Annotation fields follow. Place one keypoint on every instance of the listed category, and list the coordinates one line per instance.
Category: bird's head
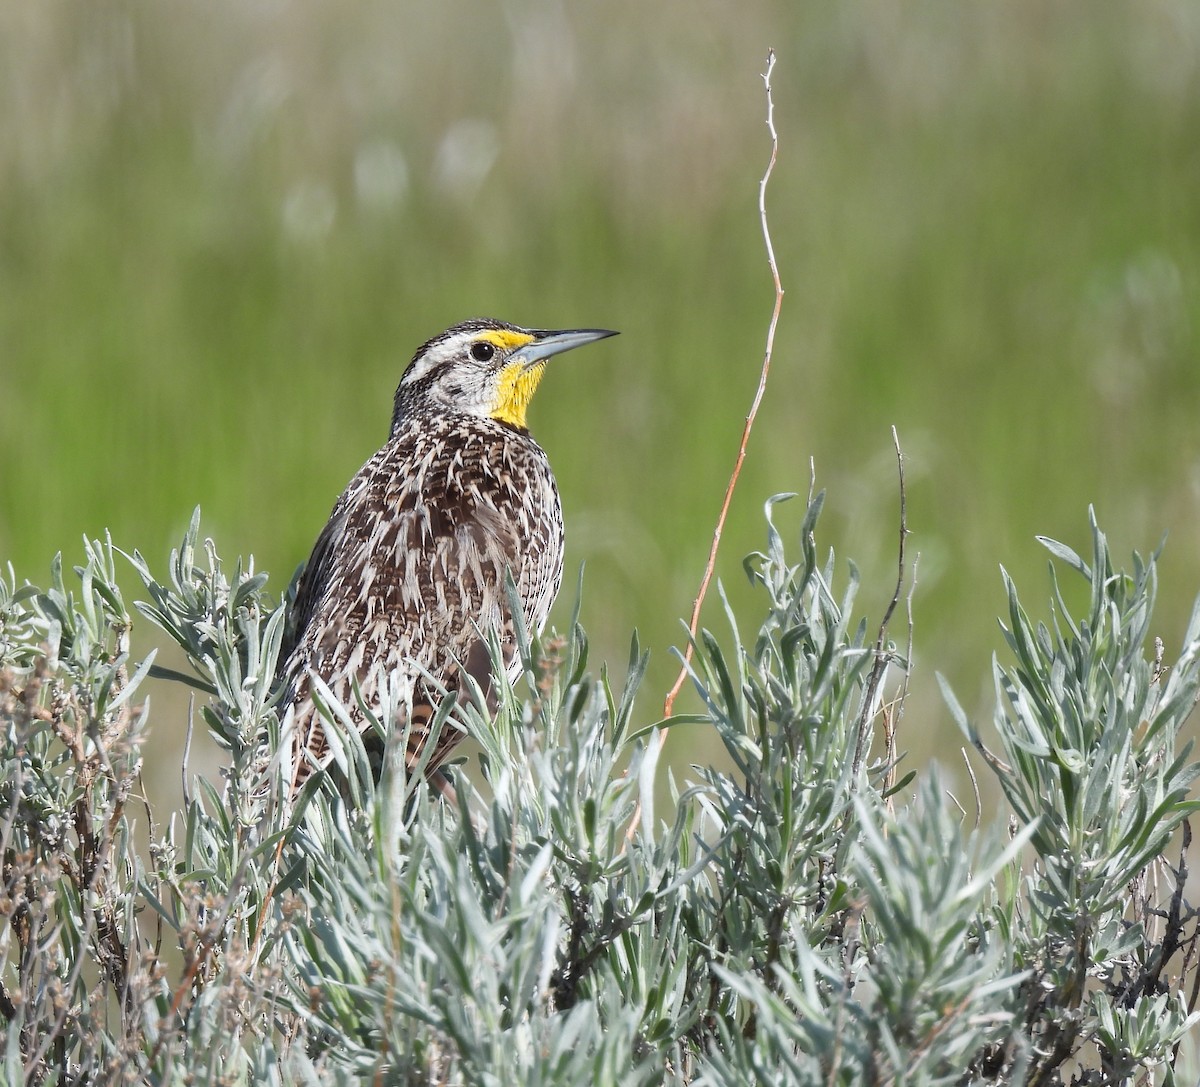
(482, 367)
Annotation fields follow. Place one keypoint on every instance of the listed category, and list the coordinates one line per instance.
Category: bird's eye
(482, 351)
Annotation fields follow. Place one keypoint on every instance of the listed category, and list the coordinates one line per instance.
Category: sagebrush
(576, 914)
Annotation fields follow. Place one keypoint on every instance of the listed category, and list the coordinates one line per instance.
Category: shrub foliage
(573, 914)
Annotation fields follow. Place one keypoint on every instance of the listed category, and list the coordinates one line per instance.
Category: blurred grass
(225, 227)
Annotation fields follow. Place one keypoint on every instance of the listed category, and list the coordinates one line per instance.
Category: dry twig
(882, 656)
(710, 566)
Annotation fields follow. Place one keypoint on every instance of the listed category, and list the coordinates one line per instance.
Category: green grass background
(224, 227)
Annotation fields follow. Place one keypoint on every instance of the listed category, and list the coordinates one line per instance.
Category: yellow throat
(515, 386)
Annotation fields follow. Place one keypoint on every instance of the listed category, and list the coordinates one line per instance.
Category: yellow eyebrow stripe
(504, 339)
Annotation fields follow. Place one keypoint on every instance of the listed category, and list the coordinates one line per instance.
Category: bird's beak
(546, 344)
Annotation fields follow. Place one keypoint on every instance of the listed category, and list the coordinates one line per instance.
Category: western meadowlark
(408, 577)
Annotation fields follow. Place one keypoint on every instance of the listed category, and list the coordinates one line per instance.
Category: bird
(407, 580)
